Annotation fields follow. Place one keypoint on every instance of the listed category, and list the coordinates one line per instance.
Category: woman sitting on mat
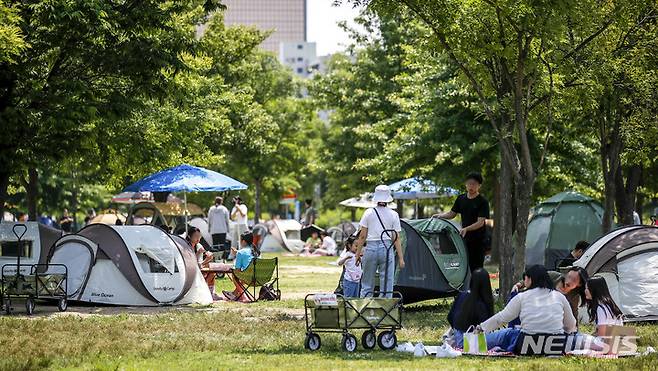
(600, 306)
(243, 257)
(541, 309)
(471, 307)
(203, 257)
(602, 311)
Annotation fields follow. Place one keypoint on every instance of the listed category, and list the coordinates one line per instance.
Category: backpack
(268, 292)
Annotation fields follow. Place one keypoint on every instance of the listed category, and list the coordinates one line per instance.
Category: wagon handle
(15, 229)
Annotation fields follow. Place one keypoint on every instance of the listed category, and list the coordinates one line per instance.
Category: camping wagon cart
(334, 313)
(39, 281)
(338, 314)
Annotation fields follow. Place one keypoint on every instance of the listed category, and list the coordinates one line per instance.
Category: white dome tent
(628, 260)
(130, 265)
(37, 242)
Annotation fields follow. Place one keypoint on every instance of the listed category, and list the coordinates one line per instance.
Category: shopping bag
(475, 343)
(620, 340)
(327, 300)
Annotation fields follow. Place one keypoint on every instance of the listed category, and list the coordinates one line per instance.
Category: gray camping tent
(628, 260)
(37, 243)
(557, 224)
(436, 260)
(130, 265)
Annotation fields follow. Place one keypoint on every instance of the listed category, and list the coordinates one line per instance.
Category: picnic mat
(490, 353)
(432, 350)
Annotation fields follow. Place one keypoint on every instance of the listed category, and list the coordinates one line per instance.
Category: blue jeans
(373, 261)
(350, 289)
(505, 339)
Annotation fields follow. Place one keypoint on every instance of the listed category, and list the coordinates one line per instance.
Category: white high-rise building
(299, 56)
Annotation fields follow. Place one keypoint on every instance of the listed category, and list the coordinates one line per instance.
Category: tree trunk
(400, 208)
(504, 229)
(4, 184)
(495, 236)
(610, 149)
(32, 193)
(523, 198)
(258, 186)
(639, 206)
(626, 192)
(74, 204)
(609, 187)
(608, 205)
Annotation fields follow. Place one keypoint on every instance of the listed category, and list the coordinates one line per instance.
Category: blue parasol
(417, 188)
(186, 178)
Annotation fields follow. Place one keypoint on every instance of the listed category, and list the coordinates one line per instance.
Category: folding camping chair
(260, 273)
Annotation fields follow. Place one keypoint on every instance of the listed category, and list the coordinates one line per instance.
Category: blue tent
(186, 178)
(417, 188)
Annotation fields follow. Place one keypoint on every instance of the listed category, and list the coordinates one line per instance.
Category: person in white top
(541, 309)
(602, 311)
(380, 227)
(353, 272)
(601, 308)
(218, 222)
(239, 216)
(328, 247)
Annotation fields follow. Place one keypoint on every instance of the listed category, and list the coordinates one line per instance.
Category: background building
(287, 18)
(299, 56)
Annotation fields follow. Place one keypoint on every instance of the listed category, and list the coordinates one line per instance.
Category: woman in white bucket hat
(379, 226)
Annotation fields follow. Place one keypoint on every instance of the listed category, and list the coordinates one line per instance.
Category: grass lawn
(262, 335)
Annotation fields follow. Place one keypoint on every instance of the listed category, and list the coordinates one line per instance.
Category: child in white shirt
(352, 274)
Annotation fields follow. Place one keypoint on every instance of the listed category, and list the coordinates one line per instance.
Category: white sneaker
(446, 351)
(405, 347)
(419, 350)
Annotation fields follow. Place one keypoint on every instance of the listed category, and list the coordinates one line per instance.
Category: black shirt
(471, 210)
(567, 262)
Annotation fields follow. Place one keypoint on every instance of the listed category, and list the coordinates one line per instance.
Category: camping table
(215, 268)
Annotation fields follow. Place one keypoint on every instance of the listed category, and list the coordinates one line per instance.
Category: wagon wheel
(62, 304)
(368, 339)
(387, 340)
(29, 306)
(349, 342)
(312, 341)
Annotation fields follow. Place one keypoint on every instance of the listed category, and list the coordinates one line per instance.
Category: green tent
(436, 260)
(557, 224)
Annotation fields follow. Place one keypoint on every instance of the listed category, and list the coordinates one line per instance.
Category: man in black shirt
(474, 210)
(575, 254)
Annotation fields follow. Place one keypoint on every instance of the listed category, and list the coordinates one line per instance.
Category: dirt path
(49, 311)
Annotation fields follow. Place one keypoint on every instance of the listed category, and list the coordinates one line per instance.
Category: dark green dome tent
(436, 260)
(557, 224)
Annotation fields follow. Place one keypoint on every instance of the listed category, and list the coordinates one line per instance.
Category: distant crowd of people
(65, 222)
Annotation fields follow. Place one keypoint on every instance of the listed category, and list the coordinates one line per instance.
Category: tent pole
(185, 200)
(416, 210)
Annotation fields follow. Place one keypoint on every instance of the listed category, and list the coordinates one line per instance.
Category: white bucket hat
(382, 194)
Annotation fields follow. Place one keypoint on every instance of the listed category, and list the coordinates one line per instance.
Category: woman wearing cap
(379, 226)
